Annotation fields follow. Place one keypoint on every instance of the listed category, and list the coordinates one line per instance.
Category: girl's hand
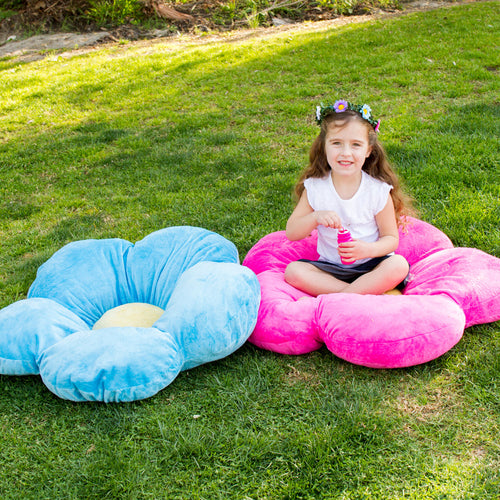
(304, 220)
(354, 250)
(327, 218)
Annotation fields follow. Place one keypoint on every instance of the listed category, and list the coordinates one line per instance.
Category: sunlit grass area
(130, 138)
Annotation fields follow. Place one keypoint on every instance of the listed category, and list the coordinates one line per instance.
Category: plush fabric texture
(449, 290)
(210, 305)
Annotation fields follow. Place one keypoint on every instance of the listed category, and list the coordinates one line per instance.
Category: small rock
(278, 21)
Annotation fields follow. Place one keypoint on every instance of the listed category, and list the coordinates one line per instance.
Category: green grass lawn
(130, 138)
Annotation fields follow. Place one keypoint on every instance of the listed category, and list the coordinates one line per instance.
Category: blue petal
(155, 263)
(212, 311)
(27, 328)
(88, 277)
(111, 364)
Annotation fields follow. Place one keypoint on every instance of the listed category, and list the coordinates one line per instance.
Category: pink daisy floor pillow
(449, 290)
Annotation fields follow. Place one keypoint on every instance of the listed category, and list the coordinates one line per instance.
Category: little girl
(348, 184)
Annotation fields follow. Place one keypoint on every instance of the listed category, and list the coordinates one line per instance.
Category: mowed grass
(130, 138)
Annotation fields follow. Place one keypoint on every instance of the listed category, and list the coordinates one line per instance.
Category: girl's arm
(388, 229)
(304, 219)
(388, 240)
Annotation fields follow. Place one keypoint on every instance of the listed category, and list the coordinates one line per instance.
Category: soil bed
(13, 43)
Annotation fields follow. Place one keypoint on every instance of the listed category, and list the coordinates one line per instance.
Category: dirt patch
(39, 46)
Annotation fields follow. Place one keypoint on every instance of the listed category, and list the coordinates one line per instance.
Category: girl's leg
(310, 279)
(386, 276)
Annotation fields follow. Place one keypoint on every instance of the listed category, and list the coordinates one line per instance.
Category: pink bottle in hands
(343, 236)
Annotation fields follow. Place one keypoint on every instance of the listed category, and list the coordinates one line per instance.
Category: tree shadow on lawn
(340, 422)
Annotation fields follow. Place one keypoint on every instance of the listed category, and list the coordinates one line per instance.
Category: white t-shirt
(357, 214)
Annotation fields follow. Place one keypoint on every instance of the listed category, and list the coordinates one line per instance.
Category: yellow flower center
(135, 314)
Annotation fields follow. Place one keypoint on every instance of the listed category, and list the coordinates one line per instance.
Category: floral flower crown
(340, 106)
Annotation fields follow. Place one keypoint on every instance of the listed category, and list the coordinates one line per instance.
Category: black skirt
(350, 274)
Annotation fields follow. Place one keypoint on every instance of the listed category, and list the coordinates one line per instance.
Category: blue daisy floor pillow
(107, 320)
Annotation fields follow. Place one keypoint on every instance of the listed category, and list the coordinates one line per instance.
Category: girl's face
(346, 148)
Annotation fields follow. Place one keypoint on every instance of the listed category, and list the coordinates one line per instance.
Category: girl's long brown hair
(376, 165)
